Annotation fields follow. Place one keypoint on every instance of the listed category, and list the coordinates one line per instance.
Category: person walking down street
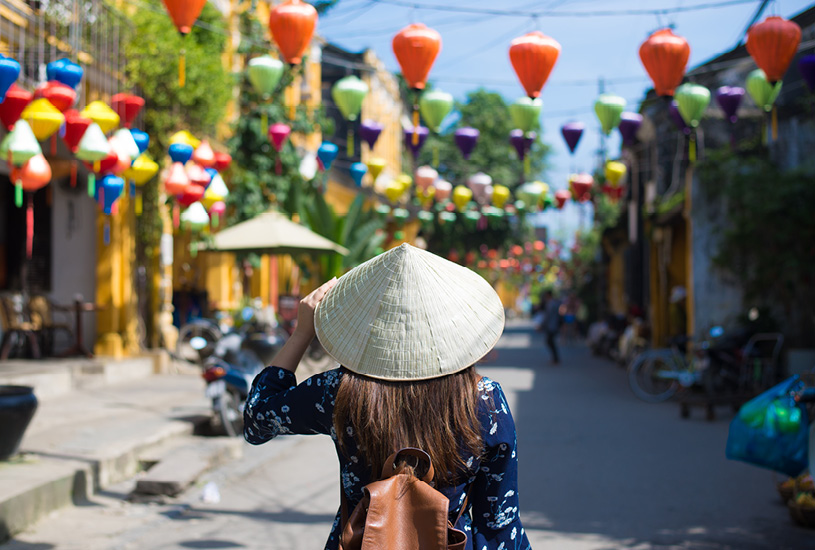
(407, 328)
(551, 324)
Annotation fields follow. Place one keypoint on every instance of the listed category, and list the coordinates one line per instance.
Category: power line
(573, 13)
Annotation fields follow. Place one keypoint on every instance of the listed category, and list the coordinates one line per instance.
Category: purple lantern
(680, 123)
(522, 142)
(806, 66)
(423, 133)
(466, 138)
(729, 99)
(572, 131)
(369, 131)
(629, 126)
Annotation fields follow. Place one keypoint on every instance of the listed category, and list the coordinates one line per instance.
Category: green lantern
(525, 113)
(425, 217)
(530, 193)
(435, 105)
(609, 109)
(692, 100)
(763, 93)
(264, 73)
(348, 94)
(18, 147)
(382, 210)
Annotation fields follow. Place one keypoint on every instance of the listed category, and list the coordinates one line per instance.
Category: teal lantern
(525, 113)
(435, 105)
(348, 94)
(609, 109)
(264, 74)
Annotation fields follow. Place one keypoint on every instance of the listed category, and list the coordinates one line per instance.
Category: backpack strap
(389, 468)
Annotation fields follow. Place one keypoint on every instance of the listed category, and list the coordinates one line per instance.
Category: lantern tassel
(527, 165)
(53, 145)
(182, 68)
(107, 231)
(775, 123)
(18, 194)
(29, 226)
(349, 140)
(692, 149)
(92, 184)
(73, 173)
(137, 204)
(176, 217)
(264, 123)
(416, 121)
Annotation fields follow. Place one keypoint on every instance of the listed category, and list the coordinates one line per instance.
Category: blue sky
(475, 52)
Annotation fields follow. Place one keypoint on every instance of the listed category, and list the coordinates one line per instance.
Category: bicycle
(656, 375)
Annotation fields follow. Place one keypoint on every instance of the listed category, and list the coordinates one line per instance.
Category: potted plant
(17, 407)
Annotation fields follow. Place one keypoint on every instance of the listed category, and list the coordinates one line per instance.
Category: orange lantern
(292, 26)
(533, 57)
(665, 56)
(33, 175)
(772, 45)
(183, 13)
(416, 47)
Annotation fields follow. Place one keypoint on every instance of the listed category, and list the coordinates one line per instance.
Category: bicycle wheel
(652, 377)
(197, 340)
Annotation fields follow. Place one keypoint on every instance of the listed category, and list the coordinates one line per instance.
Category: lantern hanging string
(350, 140)
(29, 226)
(182, 68)
(137, 203)
(692, 148)
(774, 123)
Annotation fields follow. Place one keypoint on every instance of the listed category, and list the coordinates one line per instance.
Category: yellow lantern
(142, 170)
(462, 196)
(500, 195)
(375, 167)
(43, 117)
(615, 171)
(101, 114)
(217, 191)
(426, 196)
(405, 181)
(184, 136)
(394, 190)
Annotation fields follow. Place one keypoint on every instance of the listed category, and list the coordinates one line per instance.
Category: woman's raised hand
(305, 311)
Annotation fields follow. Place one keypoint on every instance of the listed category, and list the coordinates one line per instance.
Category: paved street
(600, 470)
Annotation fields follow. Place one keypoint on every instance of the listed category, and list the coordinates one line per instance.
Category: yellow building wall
(669, 252)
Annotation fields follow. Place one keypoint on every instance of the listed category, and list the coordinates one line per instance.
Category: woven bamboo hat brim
(408, 314)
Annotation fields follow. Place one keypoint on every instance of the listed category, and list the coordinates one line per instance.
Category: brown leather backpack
(402, 512)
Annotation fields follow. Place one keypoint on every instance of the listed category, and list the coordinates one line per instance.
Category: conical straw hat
(409, 315)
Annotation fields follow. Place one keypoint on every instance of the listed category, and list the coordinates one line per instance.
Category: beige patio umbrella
(271, 233)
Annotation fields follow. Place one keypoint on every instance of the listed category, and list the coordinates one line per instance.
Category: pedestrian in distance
(407, 328)
(551, 324)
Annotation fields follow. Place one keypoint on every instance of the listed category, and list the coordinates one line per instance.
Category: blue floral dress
(277, 406)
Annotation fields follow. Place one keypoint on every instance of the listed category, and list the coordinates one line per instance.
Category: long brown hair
(438, 416)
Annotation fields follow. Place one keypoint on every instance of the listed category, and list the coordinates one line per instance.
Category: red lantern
(13, 105)
(582, 184)
(176, 181)
(416, 47)
(222, 161)
(613, 192)
(106, 165)
(58, 94)
(75, 126)
(665, 56)
(127, 106)
(204, 155)
(184, 13)
(34, 174)
(193, 193)
(561, 197)
(772, 45)
(292, 26)
(533, 57)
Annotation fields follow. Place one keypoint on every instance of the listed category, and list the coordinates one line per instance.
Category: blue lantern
(9, 73)
(141, 138)
(67, 72)
(51, 68)
(180, 152)
(110, 189)
(211, 172)
(327, 153)
(358, 171)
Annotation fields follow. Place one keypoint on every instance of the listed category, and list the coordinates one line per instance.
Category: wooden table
(78, 348)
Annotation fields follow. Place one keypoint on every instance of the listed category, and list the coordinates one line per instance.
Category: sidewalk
(96, 423)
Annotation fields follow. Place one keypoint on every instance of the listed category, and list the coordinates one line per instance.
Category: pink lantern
(177, 180)
(478, 183)
(197, 175)
(216, 211)
(582, 184)
(561, 197)
(278, 134)
(443, 190)
(425, 176)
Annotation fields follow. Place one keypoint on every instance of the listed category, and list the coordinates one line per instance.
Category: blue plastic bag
(772, 431)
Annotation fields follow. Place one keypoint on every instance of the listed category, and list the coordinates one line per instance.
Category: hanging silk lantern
(216, 191)
(192, 194)
(264, 73)
(525, 113)
(204, 155)
(195, 218)
(416, 47)
(33, 175)
(369, 131)
(478, 184)
(665, 57)
(425, 217)
(93, 148)
(9, 73)
(729, 98)
(466, 140)
(394, 191)
(629, 126)
(216, 212)
(128, 145)
(414, 140)
(522, 142)
(19, 145)
(358, 171)
(375, 166)
(180, 152)
(140, 172)
(326, 154)
(382, 210)
(127, 106)
(582, 184)
(278, 134)
(75, 126)
(426, 196)
(533, 57)
(101, 114)
(443, 189)
(141, 138)
(183, 13)
(572, 132)
(692, 100)
(772, 44)
(222, 161)
(122, 159)
(292, 26)
(609, 109)
(614, 172)
(65, 71)
(184, 136)
(197, 175)
(531, 193)
(13, 105)
(806, 66)
(462, 197)
(58, 94)
(500, 195)
(44, 118)
(110, 189)
(561, 197)
(176, 181)
(425, 177)
(761, 90)
(435, 105)
(348, 94)
(106, 165)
